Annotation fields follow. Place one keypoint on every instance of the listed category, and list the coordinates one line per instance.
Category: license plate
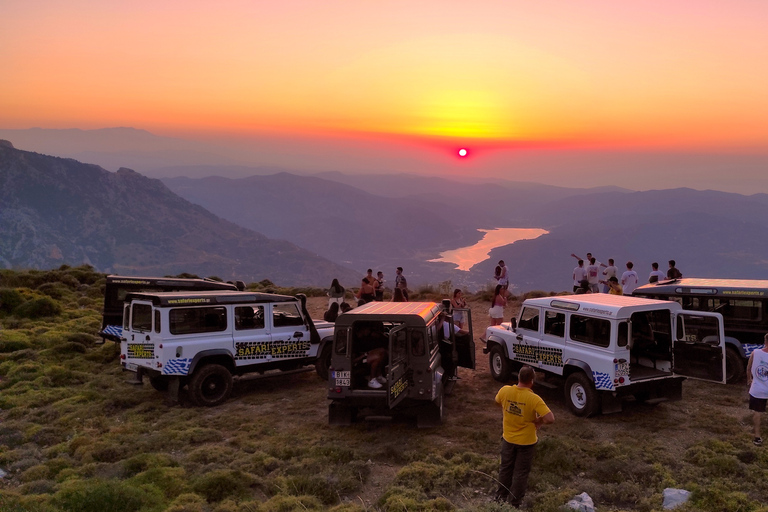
(342, 382)
(342, 375)
(131, 367)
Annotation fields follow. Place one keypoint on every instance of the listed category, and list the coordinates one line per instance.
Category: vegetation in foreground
(74, 436)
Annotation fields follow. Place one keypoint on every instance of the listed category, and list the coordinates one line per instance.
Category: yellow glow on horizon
(466, 114)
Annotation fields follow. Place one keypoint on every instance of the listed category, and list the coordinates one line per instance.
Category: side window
(418, 346)
(595, 331)
(529, 319)
(197, 320)
(157, 320)
(746, 310)
(554, 323)
(622, 335)
(141, 320)
(249, 317)
(286, 315)
(432, 337)
(340, 341)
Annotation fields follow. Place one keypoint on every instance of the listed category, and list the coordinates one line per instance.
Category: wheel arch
(735, 344)
(218, 356)
(576, 365)
(497, 340)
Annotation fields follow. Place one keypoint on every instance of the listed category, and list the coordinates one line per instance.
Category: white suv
(606, 347)
(202, 339)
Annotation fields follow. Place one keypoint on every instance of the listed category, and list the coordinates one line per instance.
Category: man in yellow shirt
(524, 413)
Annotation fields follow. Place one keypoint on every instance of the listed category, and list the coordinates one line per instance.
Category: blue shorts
(757, 404)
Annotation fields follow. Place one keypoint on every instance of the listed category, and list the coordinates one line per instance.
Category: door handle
(519, 337)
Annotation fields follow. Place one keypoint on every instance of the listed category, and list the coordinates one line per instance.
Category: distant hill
(336, 220)
(55, 211)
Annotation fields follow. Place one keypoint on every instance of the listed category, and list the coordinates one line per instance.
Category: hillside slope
(57, 211)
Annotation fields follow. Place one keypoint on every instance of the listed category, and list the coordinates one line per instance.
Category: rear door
(464, 342)
(140, 338)
(397, 373)
(698, 350)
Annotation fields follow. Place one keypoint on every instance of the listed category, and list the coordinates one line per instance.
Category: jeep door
(698, 350)
(251, 335)
(397, 372)
(140, 338)
(550, 353)
(464, 343)
(526, 342)
(290, 338)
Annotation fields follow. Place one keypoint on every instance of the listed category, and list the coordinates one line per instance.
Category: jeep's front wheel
(501, 370)
(210, 385)
(323, 362)
(581, 395)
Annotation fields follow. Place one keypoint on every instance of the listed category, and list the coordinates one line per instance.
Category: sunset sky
(415, 79)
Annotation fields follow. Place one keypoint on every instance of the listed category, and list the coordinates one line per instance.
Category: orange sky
(592, 74)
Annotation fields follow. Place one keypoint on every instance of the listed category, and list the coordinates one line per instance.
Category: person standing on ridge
(379, 286)
(656, 274)
(401, 282)
(503, 277)
(757, 382)
(579, 275)
(593, 276)
(524, 412)
(629, 279)
(673, 272)
(609, 272)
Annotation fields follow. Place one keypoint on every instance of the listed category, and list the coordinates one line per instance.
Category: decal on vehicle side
(532, 355)
(177, 366)
(271, 349)
(141, 351)
(602, 380)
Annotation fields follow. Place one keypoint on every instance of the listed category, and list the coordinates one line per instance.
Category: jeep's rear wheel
(581, 395)
(501, 370)
(323, 362)
(210, 385)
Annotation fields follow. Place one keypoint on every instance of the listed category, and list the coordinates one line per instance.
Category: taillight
(159, 364)
(122, 356)
(621, 380)
(338, 390)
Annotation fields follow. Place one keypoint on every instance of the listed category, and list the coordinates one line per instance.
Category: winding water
(466, 257)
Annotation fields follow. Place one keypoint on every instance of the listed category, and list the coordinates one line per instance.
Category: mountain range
(307, 229)
(58, 211)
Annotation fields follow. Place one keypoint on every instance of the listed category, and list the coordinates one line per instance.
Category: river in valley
(466, 257)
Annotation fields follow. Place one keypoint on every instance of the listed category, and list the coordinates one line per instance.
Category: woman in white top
(497, 305)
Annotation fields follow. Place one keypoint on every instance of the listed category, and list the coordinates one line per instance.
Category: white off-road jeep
(202, 339)
(607, 347)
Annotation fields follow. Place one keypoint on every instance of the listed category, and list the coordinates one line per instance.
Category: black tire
(581, 395)
(159, 382)
(734, 366)
(323, 362)
(210, 385)
(501, 369)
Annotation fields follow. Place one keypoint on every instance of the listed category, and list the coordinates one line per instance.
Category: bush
(38, 308)
(220, 484)
(102, 495)
(10, 299)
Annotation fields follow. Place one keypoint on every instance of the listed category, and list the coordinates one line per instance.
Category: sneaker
(758, 441)
(381, 379)
(373, 383)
